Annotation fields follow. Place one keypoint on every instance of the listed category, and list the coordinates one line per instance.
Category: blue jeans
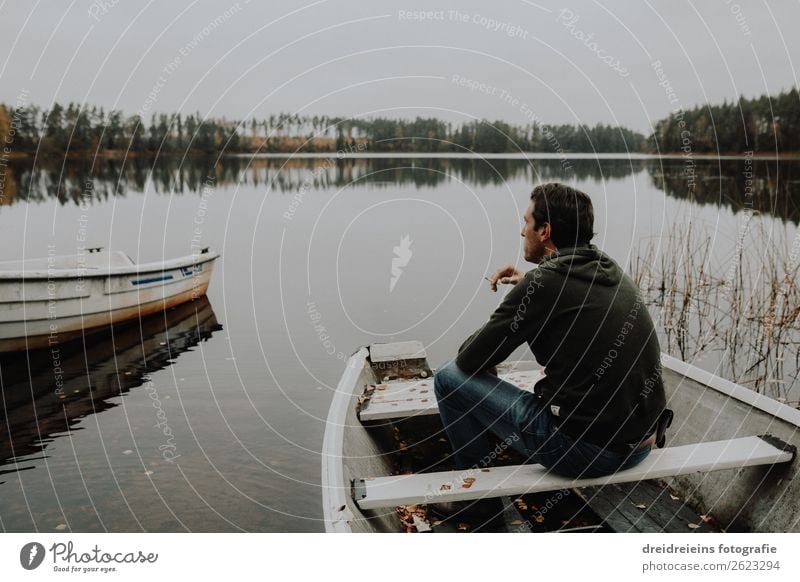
(473, 405)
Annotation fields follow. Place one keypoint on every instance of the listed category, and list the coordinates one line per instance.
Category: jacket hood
(585, 262)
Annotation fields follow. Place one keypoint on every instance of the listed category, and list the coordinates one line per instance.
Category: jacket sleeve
(516, 320)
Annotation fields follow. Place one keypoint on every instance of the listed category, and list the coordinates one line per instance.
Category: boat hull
(709, 408)
(349, 452)
(43, 308)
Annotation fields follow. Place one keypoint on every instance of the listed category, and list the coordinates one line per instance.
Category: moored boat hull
(38, 308)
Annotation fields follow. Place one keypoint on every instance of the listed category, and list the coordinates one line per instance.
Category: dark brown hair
(568, 210)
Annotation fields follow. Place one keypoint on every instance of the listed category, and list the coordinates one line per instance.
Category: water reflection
(775, 186)
(49, 392)
(759, 185)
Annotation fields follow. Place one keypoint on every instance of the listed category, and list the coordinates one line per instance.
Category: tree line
(763, 124)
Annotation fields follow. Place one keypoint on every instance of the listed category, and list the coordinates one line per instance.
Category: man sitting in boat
(596, 409)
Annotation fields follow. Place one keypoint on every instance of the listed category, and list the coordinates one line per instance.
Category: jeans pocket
(540, 443)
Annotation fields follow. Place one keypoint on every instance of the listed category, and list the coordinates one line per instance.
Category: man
(596, 409)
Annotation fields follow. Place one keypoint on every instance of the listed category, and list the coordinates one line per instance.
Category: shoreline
(342, 155)
(522, 156)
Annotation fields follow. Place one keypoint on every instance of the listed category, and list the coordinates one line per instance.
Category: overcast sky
(583, 62)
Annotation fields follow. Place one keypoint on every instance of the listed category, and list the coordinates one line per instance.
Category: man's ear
(546, 231)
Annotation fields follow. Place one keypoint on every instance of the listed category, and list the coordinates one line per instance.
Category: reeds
(734, 311)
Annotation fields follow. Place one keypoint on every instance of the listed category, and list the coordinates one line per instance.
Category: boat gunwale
(736, 391)
(95, 272)
(762, 402)
(334, 493)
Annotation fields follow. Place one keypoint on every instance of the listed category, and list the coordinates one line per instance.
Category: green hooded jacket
(586, 323)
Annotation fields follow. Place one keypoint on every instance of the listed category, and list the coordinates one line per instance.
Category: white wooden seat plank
(378, 492)
(399, 399)
(399, 408)
(517, 366)
(402, 390)
(404, 398)
(393, 351)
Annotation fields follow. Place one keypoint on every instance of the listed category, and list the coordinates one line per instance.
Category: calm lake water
(244, 379)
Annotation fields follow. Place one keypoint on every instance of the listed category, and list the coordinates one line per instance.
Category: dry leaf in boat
(639, 505)
(706, 518)
(420, 524)
(674, 497)
(516, 522)
(693, 526)
(463, 526)
(445, 487)
(485, 470)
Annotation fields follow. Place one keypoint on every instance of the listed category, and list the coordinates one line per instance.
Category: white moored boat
(57, 298)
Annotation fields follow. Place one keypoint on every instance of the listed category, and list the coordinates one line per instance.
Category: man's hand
(507, 274)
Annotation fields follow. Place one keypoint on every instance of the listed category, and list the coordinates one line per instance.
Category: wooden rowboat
(60, 298)
(729, 462)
